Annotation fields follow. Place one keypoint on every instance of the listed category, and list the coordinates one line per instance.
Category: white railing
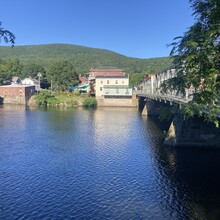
(152, 88)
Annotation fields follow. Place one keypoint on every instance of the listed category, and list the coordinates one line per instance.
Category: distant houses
(16, 80)
(109, 85)
(33, 82)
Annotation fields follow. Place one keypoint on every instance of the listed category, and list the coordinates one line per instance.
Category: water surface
(102, 164)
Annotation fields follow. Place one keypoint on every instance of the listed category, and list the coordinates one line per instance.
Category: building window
(116, 81)
(123, 82)
(107, 81)
(101, 82)
(100, 88)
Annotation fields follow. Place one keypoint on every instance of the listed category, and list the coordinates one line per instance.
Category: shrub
(53, 101)
(76, 92)
(89, 102)
(43, 97)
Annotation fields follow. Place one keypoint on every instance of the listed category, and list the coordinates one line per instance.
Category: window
(116, 81)
(100, 88)
(107, 81)
(123, 82)
(101, 81)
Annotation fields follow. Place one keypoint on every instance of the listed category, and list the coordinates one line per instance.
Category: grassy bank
(63, 99)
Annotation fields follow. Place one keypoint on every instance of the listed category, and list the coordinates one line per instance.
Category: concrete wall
(117, 102)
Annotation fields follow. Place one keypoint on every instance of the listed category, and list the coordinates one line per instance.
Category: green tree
(62, 75)
(10, 68)
(32, 70)
(136, 79)
(7, 36)
(196, 57)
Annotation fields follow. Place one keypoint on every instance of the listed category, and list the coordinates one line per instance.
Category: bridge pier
(145, 111)
(141, 103)
(192, 132)
(152, 107)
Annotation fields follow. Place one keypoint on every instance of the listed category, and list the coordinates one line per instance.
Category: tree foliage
(10, 68)
(7, 36)
(32, 70)
(62, 75)
(83, 58)
(196, 56)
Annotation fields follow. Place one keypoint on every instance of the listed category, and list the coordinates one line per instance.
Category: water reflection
(192, 181)
(102, 164)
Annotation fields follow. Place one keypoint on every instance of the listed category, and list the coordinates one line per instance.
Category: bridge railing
(151, 87)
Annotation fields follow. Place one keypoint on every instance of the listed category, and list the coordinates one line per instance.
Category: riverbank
(62, 99)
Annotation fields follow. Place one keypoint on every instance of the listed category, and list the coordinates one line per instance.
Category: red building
(105, 71)
(16, 94)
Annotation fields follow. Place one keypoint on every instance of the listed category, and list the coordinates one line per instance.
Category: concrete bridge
(182, 132)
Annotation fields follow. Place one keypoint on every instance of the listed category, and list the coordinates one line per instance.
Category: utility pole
(39, 75)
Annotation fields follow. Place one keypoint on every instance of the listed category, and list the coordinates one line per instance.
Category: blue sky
(135, 28)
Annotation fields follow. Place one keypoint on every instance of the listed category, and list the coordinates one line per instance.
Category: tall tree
(32, 70)
(196, 57)
(7, 36)
(10, 68)
(62, 75)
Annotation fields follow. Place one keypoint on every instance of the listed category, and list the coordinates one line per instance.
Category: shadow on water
(193, 178)
(189, 179)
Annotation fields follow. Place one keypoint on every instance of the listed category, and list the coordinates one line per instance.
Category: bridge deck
(170, 98)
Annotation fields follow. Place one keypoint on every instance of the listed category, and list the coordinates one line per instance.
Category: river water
(107, 163)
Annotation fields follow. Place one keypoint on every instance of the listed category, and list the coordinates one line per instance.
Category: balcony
(117, 90)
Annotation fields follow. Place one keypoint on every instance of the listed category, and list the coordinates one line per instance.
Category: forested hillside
(83, 58)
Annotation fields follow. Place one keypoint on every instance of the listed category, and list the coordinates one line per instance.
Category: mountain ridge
(82, 57)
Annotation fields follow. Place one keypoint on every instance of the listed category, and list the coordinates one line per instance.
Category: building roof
(83, 79)
(105, 68)
(16, 86)
(105, 71)
(149, 76)
(31, 79)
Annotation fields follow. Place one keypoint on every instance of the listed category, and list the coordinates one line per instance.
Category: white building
(112, 86)
(30, 81)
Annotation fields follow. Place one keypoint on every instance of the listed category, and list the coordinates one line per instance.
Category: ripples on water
(102, 164)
